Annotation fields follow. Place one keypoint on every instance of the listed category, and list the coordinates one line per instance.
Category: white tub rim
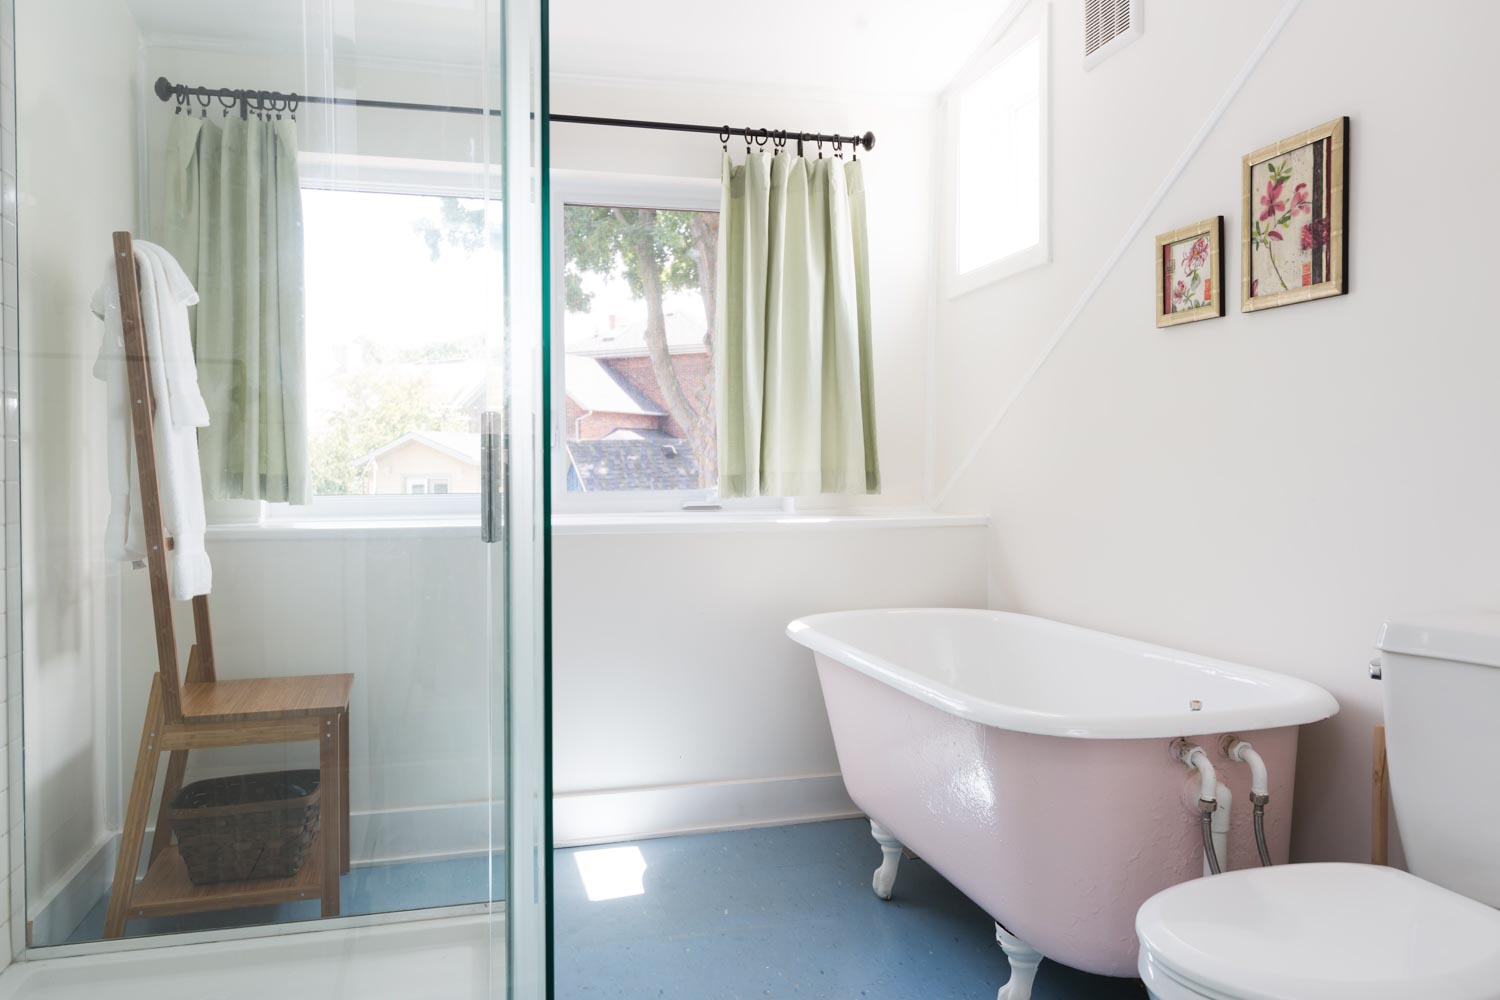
(1304, 702)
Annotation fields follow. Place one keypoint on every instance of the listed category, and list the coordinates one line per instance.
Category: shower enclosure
(354, 192)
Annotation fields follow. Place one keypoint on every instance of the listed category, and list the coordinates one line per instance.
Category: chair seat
(266, 698)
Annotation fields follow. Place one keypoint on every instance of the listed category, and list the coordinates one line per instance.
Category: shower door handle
(491, 454)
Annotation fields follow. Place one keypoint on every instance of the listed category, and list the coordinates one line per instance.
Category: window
(998, 150)
(422, 485)
(401, 292)
(634, 417)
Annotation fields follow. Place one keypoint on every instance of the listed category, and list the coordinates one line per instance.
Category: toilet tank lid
(1467, 642)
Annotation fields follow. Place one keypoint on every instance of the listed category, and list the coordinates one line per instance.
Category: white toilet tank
(1442, 720)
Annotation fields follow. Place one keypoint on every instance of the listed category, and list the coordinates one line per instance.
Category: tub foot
(1023, 962)
(890, 848)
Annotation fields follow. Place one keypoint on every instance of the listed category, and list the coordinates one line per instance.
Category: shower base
(439, 958)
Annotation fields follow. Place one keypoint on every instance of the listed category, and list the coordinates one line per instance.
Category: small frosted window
(999, 181)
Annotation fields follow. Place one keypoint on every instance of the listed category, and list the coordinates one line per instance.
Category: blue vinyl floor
(779, 912)
(782, 912)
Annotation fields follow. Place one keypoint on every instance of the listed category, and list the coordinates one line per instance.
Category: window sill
(683, 522)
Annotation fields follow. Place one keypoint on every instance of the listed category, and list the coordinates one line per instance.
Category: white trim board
(602, 817)
(367, 958)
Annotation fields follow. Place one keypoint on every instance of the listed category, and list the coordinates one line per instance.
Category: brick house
(620, 349)
(620, 433)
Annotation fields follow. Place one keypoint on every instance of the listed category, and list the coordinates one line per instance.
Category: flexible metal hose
(1208, 843)
(1260, 834)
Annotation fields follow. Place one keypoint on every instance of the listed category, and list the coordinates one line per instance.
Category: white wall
(76, 113)
(13, 854)
(1266, 487)
(671, 666)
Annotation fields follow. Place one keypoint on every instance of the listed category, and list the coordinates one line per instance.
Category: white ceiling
(894, 46)
(912, 46)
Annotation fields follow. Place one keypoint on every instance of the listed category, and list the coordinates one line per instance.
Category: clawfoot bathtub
(1029, 762)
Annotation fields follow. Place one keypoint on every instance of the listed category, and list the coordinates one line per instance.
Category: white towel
(166, 293)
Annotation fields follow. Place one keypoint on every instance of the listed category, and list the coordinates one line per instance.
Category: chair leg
(330, 772)
(176, 771)
(344, 785)
(136, 809)
(177, 760)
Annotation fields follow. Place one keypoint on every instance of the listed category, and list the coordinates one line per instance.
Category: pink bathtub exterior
(1059, 839)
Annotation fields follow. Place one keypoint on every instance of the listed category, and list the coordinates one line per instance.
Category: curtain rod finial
(868, 140)
(163, 88)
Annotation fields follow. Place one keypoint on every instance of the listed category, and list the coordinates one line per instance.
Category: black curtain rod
(276, 102)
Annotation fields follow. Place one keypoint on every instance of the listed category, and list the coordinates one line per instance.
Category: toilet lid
(1326, 931)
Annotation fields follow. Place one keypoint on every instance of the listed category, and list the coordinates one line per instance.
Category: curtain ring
(724, 137)
(779, 140)
(838, 147)
(748, 132)
(292, 100)
(820, 147)
(763, 138)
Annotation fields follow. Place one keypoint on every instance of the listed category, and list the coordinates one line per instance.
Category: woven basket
(249, 826)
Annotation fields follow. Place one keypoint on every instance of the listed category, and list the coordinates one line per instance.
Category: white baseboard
(605, 816)
(465, 829)
(66, 903)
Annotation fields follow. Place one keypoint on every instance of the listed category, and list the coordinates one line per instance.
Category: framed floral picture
(1295, 208)
(1190, 273)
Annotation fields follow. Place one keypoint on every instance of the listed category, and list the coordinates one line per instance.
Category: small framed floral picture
(1296, 201)
(1190, 273)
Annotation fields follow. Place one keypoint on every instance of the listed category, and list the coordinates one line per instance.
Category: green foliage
(460, 226)
(605, 241)
(382, 402)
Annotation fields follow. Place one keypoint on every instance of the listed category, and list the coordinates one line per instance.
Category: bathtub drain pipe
(1260, 790)
(1209, 790)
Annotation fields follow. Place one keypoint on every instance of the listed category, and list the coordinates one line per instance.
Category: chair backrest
(142, 417)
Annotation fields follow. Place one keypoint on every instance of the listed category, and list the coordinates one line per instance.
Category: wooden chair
(205, 712)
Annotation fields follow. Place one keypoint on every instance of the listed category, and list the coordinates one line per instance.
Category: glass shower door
(352, 193)
(524, 592)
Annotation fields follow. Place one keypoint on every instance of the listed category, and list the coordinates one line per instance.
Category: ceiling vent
(1109, 26)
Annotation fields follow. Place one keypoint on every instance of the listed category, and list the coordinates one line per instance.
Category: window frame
(1029, 21)
(681, 194)
(368, 174)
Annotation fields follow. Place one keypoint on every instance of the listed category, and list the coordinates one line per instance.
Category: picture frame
(1294, 223)
(1190, 273)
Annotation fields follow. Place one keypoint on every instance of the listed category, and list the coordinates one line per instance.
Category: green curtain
(233, 218)
(796, 404)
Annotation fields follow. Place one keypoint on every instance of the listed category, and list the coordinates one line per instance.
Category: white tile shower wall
(13, 840)
(1265, 487)
(75, 97)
